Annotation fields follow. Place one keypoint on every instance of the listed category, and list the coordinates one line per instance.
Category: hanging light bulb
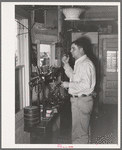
(72, 13)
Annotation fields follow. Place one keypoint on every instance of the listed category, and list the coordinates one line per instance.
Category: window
(21, 64)
(112, 61)
(45, 57)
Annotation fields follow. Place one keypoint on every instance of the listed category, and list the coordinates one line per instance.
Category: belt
(83, 95)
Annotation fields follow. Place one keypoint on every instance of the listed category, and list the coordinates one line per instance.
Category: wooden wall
(21, 137)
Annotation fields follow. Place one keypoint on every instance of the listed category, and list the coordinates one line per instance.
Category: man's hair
(84, 43)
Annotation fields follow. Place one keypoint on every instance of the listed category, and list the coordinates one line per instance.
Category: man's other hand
(65, 84)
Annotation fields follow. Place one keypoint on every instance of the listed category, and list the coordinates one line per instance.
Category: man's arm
(67, 68)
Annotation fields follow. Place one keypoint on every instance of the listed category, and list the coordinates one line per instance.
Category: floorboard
(103, 126)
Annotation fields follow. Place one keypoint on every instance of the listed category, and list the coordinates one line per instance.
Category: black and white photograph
(61, 75)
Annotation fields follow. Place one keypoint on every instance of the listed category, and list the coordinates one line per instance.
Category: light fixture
(72, 13)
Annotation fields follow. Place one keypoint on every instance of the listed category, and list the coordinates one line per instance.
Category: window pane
(45, 57)
(16, 44)
(111, 61)
(21, 64)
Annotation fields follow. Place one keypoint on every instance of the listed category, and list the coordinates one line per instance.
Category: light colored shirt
(82, 78)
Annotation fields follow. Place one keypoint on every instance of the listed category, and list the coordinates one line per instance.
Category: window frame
(23, 65)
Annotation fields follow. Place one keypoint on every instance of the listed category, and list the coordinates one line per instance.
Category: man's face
(75, 51)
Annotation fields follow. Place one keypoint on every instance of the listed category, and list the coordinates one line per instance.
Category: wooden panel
(19, 123)
(19, 115)
(20, 141)
(19, 133)
(113, 45)
(94, 35)
(102, 12)
(110, 41)
(19, 72)
(111, 100)
(26, 138)
(112, 77)
(17, 91)
(111, 93)
(112, 85)
(19, 11)
(20, 136)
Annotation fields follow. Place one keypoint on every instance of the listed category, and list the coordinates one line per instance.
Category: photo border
(7, 86)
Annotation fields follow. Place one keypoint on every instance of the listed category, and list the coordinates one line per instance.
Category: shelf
(19, 67)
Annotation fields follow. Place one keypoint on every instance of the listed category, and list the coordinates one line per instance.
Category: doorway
(110, 71)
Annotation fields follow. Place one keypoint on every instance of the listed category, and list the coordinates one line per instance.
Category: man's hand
(65, 84)
(65, 59)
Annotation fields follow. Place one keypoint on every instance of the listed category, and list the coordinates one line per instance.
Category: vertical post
(59, 23)
(30, 57)
(31, 91)
(58, 45)
(32, 23)
(38, 54)
(44, 107)
(38, 68)
(38, 102)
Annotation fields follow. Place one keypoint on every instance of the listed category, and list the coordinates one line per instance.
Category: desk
(43, 132)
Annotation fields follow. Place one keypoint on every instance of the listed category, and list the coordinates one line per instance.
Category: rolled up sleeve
(68, 70)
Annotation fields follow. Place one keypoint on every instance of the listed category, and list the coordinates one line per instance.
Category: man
(81, 87)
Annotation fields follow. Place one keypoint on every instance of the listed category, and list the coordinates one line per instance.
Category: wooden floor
(103, 127)
(104, 123)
